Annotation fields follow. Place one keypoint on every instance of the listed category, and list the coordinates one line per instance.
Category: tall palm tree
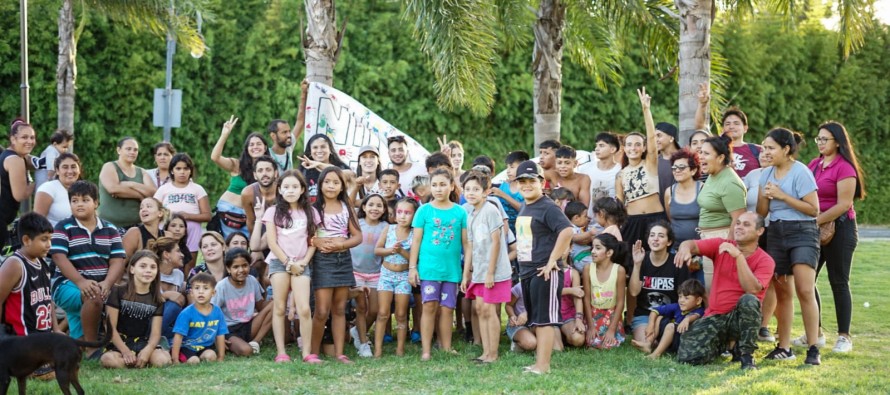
(697, 16)
(321, 44)
(154, 16)
(462, 38)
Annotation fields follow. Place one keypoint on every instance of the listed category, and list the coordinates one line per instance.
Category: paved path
(874, 232)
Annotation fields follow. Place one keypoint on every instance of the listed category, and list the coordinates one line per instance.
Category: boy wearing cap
(666, 141)
(543, 234)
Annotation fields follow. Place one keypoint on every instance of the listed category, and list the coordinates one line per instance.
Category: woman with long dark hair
(319, 155)
(231, 215)
(788, 195)
(14, 187)
(840, 180)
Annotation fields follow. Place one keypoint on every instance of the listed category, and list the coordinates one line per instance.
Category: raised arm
(651, 146)
(701, 113)
(228, 164)
(299, 124)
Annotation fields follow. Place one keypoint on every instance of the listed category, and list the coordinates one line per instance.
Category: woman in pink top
(840, 181)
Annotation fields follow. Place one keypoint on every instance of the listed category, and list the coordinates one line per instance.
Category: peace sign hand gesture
(645, 100)
(227, 127)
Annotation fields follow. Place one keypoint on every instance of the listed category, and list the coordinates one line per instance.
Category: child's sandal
(312, 359)
(344, 359)
(282, 358)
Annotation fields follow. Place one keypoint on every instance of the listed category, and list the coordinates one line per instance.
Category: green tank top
(122, 212)
(236, 184)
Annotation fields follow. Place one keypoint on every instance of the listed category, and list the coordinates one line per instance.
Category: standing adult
(400, 159)
(681, 199)
(722, 198)
(367, 173)
(741, 278)
(122, 185)
(840, 180)
(51, 200)
(745, 156)
(320, 154)
(788, 194)
(666, 141)
(231, 214)
(265, 171)
(603, 170)
(14, 187)
(162, 152)
(282, 149)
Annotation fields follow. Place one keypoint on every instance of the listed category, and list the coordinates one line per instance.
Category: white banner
(351, 125)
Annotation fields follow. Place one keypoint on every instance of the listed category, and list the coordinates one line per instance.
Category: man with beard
(398, 155)
(265, 170)
(282, 147)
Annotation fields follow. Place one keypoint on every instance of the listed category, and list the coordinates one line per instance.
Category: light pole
(26, 100)
(168, 85)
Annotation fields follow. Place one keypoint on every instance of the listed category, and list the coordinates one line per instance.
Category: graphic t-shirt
(184, 200)
(199, 331)
(602, 182)
(659, 284)
(537, 228)
(238, 304)
(441, 245)
(744, 160)
(134, 315)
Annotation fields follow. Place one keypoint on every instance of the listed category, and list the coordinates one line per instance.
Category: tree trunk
(695, 59)
(66, 71)
(321, 45)
(547, 67)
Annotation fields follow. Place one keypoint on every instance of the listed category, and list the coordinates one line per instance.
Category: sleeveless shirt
(121, 212)
(28, 307)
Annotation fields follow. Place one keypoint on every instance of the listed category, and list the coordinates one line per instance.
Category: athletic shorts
(443, 292)
(240, 330)
(186, 353)
(542, 299)
(499, 293)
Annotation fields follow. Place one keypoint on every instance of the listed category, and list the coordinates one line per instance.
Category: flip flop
(95, 356)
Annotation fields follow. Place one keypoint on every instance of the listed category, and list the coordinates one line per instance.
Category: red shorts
(499, 293)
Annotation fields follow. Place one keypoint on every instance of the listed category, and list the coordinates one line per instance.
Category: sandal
(344, 359)
(282, 358)
(312, 359)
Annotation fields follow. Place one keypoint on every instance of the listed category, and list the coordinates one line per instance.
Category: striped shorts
(542, 299)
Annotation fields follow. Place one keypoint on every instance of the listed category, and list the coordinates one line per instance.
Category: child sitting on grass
(200, 326)
(240, 297)
(668, 322)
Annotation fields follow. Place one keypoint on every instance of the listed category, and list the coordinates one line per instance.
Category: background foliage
(792, 76)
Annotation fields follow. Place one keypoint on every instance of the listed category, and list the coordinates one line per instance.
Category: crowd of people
(689, 251)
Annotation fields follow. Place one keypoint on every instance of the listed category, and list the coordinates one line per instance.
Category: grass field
(576, 371)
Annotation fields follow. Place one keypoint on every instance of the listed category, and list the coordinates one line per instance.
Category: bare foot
(424, 357)
(653, 356)
(643, 346)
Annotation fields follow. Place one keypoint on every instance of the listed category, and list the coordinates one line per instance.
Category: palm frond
(459, 36)
(720, 74)
(514, 20)
(155, 16)
(650, 20)
(855, 21)
(591, 42)
(736, 10)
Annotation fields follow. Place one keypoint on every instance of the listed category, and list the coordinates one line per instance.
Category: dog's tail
(101, 343)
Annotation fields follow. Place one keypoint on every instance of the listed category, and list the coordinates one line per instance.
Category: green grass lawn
(618, 371)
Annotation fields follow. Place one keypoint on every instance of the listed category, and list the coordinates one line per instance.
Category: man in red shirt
(742, 272)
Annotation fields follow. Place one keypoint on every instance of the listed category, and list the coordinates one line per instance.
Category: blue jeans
(171, 312)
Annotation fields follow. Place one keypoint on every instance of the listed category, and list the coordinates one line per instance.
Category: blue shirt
(199, 331)
(440, 247)
(512, 213)
(675, 313)
(798, 183)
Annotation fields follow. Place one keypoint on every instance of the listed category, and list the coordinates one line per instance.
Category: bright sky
(882, 9)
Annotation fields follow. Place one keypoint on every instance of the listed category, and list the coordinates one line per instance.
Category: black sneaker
(813, 357)
(747, 362)
(780, 354)
(765, 335)
(736, 354)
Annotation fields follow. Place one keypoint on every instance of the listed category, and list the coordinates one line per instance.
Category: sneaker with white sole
(355, 340)
(765, 335)
(844, 344)
(255, 347)
(802, 342)
(813, 357)
(364, 350)
(780, 354)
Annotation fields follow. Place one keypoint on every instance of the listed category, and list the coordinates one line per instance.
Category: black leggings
(837, 257)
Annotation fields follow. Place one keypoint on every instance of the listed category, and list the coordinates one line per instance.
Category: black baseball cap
(528, 169)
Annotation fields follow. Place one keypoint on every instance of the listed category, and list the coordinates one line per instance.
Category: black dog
(22, 355)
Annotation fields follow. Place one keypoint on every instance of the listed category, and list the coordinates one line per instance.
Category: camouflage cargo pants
(708, 336)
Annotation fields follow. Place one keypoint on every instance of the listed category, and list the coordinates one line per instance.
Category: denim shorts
(275, 266)
(793, 242)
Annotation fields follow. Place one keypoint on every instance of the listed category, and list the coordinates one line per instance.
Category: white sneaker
(355, 340)
(512, 346)
(365, 350)
(802, 341)
(255, 346)
(844, 344)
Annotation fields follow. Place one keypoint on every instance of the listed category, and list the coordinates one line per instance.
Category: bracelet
(579, 315)
(412, 267)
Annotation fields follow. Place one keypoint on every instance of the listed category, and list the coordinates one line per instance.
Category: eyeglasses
(679, 167)
(822, 140)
